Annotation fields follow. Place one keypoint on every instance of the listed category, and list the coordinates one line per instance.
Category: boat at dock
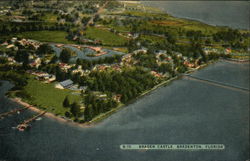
(26, 124)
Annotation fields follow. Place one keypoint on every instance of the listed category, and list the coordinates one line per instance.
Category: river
(234, 14)
(186, 111)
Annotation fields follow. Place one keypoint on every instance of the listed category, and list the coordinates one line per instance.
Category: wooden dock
(5, 114)
(25, 124)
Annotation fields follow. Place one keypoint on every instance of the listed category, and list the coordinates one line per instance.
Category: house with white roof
(64, 84)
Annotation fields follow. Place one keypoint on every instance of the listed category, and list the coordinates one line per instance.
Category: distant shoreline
(212, 21)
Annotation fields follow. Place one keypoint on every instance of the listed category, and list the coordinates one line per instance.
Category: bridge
(216, 83)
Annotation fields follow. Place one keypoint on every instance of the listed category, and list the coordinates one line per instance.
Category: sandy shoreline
(105, 115)
(98, 119)
(48, 114)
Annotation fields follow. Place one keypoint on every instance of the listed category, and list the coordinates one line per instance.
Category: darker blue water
(234, 14)
(185, 111)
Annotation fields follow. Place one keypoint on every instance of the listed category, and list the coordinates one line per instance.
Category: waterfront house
(155, 74)
(117, 97)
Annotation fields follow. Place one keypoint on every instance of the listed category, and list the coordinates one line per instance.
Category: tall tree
(66, 102)
(75, 109)
(88, 113)
(44, 49)
(65, 55)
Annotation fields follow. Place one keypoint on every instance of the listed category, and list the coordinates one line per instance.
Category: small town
(115, 80)
(94, 74)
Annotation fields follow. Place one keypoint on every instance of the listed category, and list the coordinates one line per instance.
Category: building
(117, 97)
(155, 74)
(142, 50)
(65, 67)
(64, 84)
(35, 62)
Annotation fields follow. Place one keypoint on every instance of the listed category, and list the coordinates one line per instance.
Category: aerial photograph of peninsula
(112, 80)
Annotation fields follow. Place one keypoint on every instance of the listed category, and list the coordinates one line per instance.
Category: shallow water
(184, 112)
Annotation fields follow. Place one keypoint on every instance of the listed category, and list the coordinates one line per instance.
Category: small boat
(22, 127)
(38, 119)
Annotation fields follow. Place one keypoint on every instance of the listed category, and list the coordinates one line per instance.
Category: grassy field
(49, 97)
(152, 38)
(50, 17)
(46, 36)
(108, 38)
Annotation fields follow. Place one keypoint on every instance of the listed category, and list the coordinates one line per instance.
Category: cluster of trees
(227, 35)
(88, 64)
(233, 38)
(66, 54)
(18, 79)
(87, 8)
(147, 60)
(44, 49)
(129, 83)
(197, 51)
(15, 74)
(74, 108)
(94, 106)
(194, 35)
(168, 43)
(22, 56)
(32, 26)
(69, 17)
(165, 67)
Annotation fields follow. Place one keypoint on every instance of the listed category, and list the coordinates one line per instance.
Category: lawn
(152, 38)
(50, 17)
(106, 37)
(48, 97)
(46, 36)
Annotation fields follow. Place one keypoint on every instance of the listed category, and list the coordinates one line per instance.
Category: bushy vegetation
(129, 83)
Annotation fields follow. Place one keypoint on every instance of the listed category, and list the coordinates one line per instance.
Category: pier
(5, 114)
(25, 124)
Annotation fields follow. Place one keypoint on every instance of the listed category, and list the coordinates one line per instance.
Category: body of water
(234, 14)
(83, 53)
(186, 111)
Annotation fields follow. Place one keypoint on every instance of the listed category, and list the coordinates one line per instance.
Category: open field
(48, 97)
(106, 37)
(152, 38)
(46, 36)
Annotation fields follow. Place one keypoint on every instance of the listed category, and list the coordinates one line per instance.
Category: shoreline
(47, 114)
(101, 117)
(196, 19)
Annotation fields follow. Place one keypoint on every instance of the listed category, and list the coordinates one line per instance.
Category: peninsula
(81, 61)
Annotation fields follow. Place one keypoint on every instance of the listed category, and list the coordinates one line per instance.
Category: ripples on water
(183, 112)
